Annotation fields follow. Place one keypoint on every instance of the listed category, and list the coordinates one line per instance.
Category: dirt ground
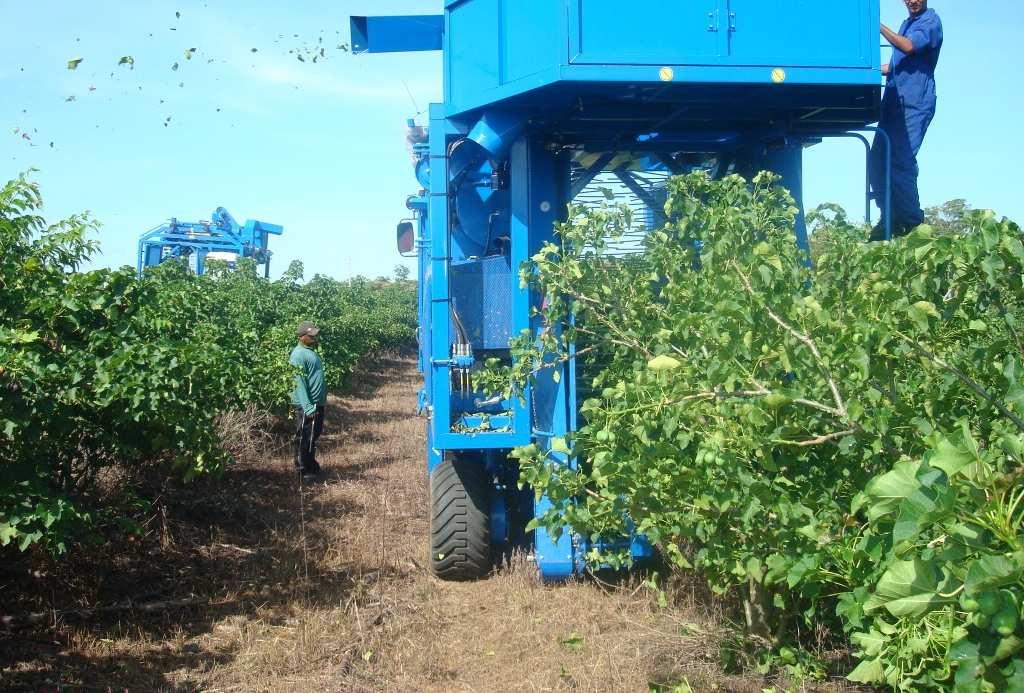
(249, 583)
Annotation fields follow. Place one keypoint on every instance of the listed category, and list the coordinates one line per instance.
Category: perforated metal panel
(482, 297)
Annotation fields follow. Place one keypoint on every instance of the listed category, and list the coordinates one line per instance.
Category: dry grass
(368, 617)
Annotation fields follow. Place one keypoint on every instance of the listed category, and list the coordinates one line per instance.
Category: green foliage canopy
(837, 442)
(104, 371)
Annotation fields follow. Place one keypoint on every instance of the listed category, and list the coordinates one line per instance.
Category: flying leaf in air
(189, 53)
(174, 67)
(177, 15)
(74, 63)
(127, 60)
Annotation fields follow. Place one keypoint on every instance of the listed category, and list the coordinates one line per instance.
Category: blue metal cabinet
(800, 33)
(473, 56)
(777, 33)
(500, 49)
(652, 32)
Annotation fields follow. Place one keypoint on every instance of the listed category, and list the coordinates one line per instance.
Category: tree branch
(964, 378)
(805, 339)
(820, 440)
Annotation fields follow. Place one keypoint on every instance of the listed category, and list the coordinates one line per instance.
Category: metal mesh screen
(644, 192)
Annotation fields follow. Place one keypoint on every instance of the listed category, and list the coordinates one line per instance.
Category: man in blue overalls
(908, 107)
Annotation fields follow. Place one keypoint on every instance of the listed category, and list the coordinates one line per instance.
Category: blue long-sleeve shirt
(912, 77)
(310, 384)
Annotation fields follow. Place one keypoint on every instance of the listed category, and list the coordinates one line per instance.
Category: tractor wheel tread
(460, 546)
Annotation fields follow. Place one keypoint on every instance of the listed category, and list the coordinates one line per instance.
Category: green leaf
(950, 457)
(868, 671)
(871, 642)
(991, 571)
(74, 63)
(885, 493)
(573, 641)
(26, 337)
(1015, 396)
(928, 504)
(559, 445)
(28, 539)
(908, 588)
(7, 533)
(663, 363)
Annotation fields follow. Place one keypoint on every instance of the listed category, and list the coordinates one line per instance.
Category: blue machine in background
(222, 238)
(552, 102)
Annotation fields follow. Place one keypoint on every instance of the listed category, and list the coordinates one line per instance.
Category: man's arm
(302, 386)
(886, 69)
(901, 42)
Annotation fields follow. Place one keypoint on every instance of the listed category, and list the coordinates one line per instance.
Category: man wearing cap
(309, 398)
(908, 106)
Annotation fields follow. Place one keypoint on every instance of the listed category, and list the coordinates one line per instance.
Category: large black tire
(460, 522)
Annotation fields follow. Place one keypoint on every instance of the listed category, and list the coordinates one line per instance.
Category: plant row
(835, 444)
(104, 374)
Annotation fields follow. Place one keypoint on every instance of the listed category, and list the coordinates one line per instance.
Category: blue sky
(320, 147)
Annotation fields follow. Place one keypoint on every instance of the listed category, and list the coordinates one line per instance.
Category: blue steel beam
(397, 34)
(589, 174)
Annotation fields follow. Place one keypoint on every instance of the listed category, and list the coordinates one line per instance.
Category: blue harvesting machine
(221, 238)
(552, 102)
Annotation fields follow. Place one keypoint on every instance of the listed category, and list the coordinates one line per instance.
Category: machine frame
(221, 234)
(542, 97)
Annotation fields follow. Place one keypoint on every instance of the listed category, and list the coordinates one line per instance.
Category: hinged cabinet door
(646, 32)
(799, 33)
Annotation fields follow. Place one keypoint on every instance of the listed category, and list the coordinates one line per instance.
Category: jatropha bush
(103, 370)
(833, 443)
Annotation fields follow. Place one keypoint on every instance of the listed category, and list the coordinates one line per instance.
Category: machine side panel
(644, 32)
(777, 33)
(803, 33)
(482, 293)
(471, 53)
(439, 396)
(532, 36)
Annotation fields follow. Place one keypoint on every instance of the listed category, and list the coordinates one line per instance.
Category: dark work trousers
(308, 428)
(906, 124)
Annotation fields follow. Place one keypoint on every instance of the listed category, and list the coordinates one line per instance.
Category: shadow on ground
(124, 614)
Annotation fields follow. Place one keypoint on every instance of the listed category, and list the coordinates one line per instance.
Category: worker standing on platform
(309, 398)
(908, 106)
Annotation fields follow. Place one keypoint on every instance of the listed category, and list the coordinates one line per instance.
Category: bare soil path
(248, 583)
